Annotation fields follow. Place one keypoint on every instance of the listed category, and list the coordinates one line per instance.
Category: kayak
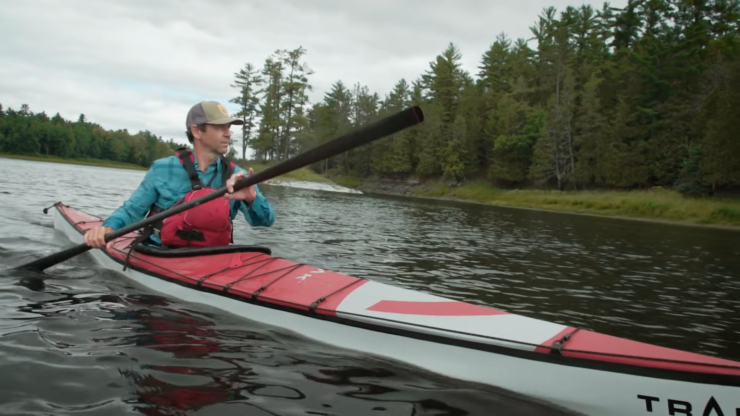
(568, 367)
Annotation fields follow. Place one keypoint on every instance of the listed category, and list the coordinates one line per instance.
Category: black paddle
(374, 131)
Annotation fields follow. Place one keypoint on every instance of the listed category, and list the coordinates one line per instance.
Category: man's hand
(246, 194)
(95, 237)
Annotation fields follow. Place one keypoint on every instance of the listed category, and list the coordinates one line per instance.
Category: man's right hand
(95, 237)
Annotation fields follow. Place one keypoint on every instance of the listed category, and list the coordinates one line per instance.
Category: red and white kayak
(581, 370)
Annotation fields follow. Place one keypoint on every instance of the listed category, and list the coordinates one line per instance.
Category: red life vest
(205, 225)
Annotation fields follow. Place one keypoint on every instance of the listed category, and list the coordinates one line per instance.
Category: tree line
(24, 132)
(634, 97)
(640, 96)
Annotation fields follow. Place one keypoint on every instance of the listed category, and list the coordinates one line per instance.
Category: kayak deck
(253, 275)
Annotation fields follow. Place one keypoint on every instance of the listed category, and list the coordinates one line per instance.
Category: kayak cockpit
(164, 252)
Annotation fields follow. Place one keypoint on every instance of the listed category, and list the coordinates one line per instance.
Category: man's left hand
(245, 194)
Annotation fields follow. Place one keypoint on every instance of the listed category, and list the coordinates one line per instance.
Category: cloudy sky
(140, 64)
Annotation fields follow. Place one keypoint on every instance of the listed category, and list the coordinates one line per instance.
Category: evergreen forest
(611, 98)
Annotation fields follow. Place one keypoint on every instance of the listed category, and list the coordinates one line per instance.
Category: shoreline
(657, 206)
(654, 206)
(100, 163)
(726, 227)
(303, 174)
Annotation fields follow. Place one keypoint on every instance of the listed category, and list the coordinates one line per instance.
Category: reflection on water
(94, 343)
(66, 351)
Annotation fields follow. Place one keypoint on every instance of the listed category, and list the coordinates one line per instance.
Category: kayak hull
(451, 338)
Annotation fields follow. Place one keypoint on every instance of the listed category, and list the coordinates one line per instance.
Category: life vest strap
(188, 161)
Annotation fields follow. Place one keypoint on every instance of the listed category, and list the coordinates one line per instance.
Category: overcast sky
(141, 64)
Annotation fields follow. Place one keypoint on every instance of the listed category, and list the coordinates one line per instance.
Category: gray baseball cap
(210, 112)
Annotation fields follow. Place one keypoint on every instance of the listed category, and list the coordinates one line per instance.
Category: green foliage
(454, 154)
(276, 94)
(512, 153)
(690, 184)
(610, 97)
(23, 132)
(632, 98)
(247, 81)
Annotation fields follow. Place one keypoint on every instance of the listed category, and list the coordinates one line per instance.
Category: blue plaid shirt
(167, 181)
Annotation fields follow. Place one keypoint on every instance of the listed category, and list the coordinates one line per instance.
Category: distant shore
(70, 161)
(656, 205)
(303, 174)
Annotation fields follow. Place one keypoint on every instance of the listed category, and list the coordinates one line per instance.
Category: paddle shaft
(374, 131)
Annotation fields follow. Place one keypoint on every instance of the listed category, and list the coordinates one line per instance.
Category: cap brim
(227, 120)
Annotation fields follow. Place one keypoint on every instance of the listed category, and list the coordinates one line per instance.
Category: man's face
(216, 138)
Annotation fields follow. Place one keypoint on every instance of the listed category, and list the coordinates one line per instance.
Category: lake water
(91, 343)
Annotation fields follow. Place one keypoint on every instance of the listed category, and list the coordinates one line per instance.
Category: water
(93, 343)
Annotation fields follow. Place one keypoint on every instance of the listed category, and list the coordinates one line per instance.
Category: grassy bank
(654, 204)
(85, 162)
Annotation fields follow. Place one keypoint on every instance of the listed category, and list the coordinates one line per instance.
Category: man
(186, 176)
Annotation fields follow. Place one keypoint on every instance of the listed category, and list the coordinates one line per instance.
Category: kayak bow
(581, 370)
